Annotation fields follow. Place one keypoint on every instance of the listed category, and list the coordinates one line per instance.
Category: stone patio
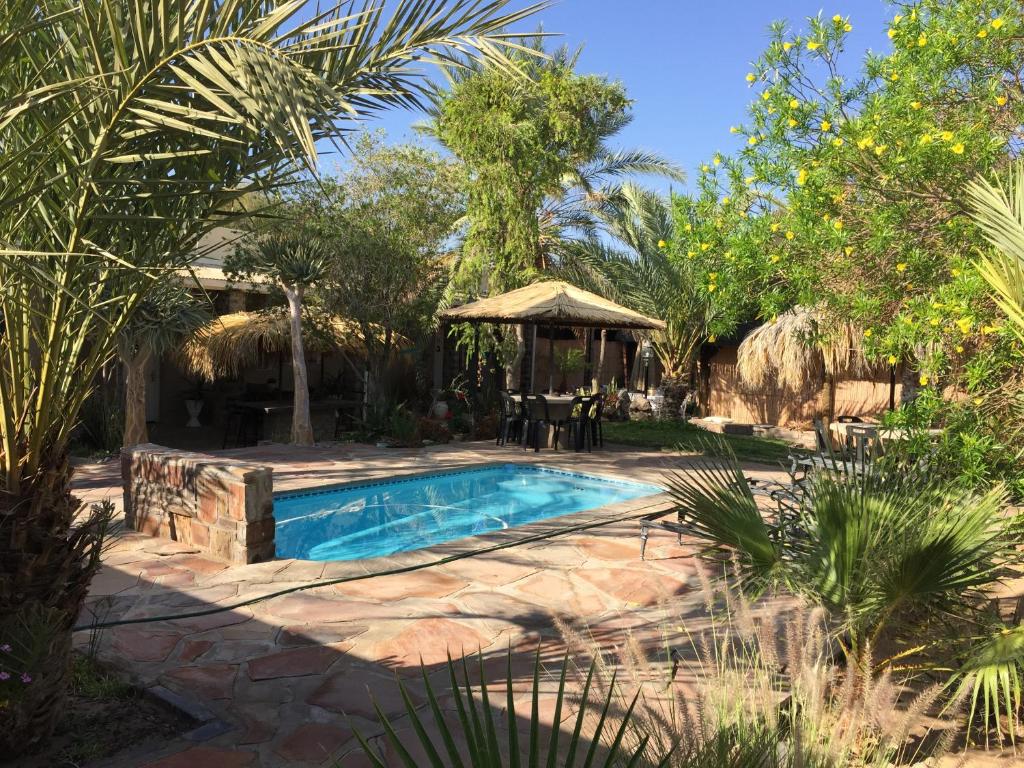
(284, 681)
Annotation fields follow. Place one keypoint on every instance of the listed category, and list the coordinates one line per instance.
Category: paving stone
(143, 644)
(313, 743)
(314, 609)
(206, 757)
(111, 580)
(212, 681)
(353, 691)
(610, 548)
(633, 586)
(491, 570)
(431, 640)
(318, 634)
(193, 649)
(214, 620)
(313, 660)
(557, 592)
(425, 583)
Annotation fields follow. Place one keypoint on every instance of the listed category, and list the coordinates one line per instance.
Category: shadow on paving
(291, 678)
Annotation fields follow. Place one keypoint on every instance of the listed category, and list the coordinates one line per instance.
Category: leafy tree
(294, 261)
(163, 320)
(128, 123)
(387, 224)
(847, 196)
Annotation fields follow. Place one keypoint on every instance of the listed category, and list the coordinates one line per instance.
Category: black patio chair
(538, 419)
(596, 420)
(512, 419)
(241, 427)
(578, 423)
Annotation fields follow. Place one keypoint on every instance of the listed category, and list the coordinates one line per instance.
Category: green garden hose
(357, 577)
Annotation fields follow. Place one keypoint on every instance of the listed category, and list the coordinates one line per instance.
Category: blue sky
(683, 62)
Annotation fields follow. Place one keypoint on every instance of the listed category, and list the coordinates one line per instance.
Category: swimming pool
(371, 519)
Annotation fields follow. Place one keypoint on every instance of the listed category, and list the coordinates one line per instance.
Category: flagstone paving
(291, 677)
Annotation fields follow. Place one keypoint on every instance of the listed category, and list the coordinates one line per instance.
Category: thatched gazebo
(552, 303)
(801, 345)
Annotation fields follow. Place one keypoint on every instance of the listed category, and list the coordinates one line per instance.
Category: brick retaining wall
(220, 506)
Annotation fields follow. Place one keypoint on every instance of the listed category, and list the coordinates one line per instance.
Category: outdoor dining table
(841, 430)
(559, 409)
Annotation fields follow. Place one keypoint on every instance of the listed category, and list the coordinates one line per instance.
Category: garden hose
(358, 577)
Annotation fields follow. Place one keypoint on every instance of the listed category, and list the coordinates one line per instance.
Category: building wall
(728, 396)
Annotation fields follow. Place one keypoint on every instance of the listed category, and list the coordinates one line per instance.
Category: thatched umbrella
(552, 303)
(229, 343)
(801, 346)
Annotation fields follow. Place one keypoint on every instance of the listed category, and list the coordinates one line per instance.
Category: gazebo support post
(588, 366)
(533, 362)
(475, 361)
(551, 360)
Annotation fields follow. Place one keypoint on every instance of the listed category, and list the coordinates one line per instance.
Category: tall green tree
(123, 123)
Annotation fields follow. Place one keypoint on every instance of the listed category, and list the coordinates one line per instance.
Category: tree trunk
(595, 383)
(135, 430)
(46, 565)
(513, 373)
(302, 427)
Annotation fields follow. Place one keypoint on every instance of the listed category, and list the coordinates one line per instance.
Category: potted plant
(194, 403)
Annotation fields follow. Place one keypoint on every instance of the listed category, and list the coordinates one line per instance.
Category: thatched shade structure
(229, 343)
(801, 345)
(552, 303)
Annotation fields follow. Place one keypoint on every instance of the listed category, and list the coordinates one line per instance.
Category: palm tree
(999, 211)
(294, 261)
(168, 315)
(125, 123)
(632, 266)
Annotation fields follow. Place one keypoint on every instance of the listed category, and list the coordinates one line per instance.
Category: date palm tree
(123, 123)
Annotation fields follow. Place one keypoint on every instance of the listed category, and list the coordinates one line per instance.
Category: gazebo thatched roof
(554, 303)
(797, 348)
(229, 343)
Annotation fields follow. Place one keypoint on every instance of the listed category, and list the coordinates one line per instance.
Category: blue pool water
(373, 519)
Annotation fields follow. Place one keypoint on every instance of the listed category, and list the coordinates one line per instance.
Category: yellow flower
(813, 45)
(837, 142)
(790, 234)
(958, 148)
(837, 18)
(716, 159)
(997, 22)
(733, 129)
(983, 33)
(792, 122)
(794, 103)
(725, 200)
(891, 33)
(934, 321)
(712, 276)
(867, 333)
(752, 140)
(712, 339)
(801, 177)
(775, 226)
(915, 105)
(750, 77)
(955, 272)
(893, 359)
(711, 287)
(867, 141)
(947, 135)
(894, 76)
(847, 27)
(880, 149)
(728, 255)
(749, 180)
(838, 224)
(826, 125)
(690, 254)
(925, 139)
(924, 380)
(705, 167)
(1001, 100)
(705, 246)
(959, 347)
(978, 400)
(987, 329)
(787, 45)
(775, 258)
(897, 18)
(688, 227)
(922, 41)
(964, 324)
(936, 305)
(662, 243)
(901, 266)
(848, 250)
(765, 95)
